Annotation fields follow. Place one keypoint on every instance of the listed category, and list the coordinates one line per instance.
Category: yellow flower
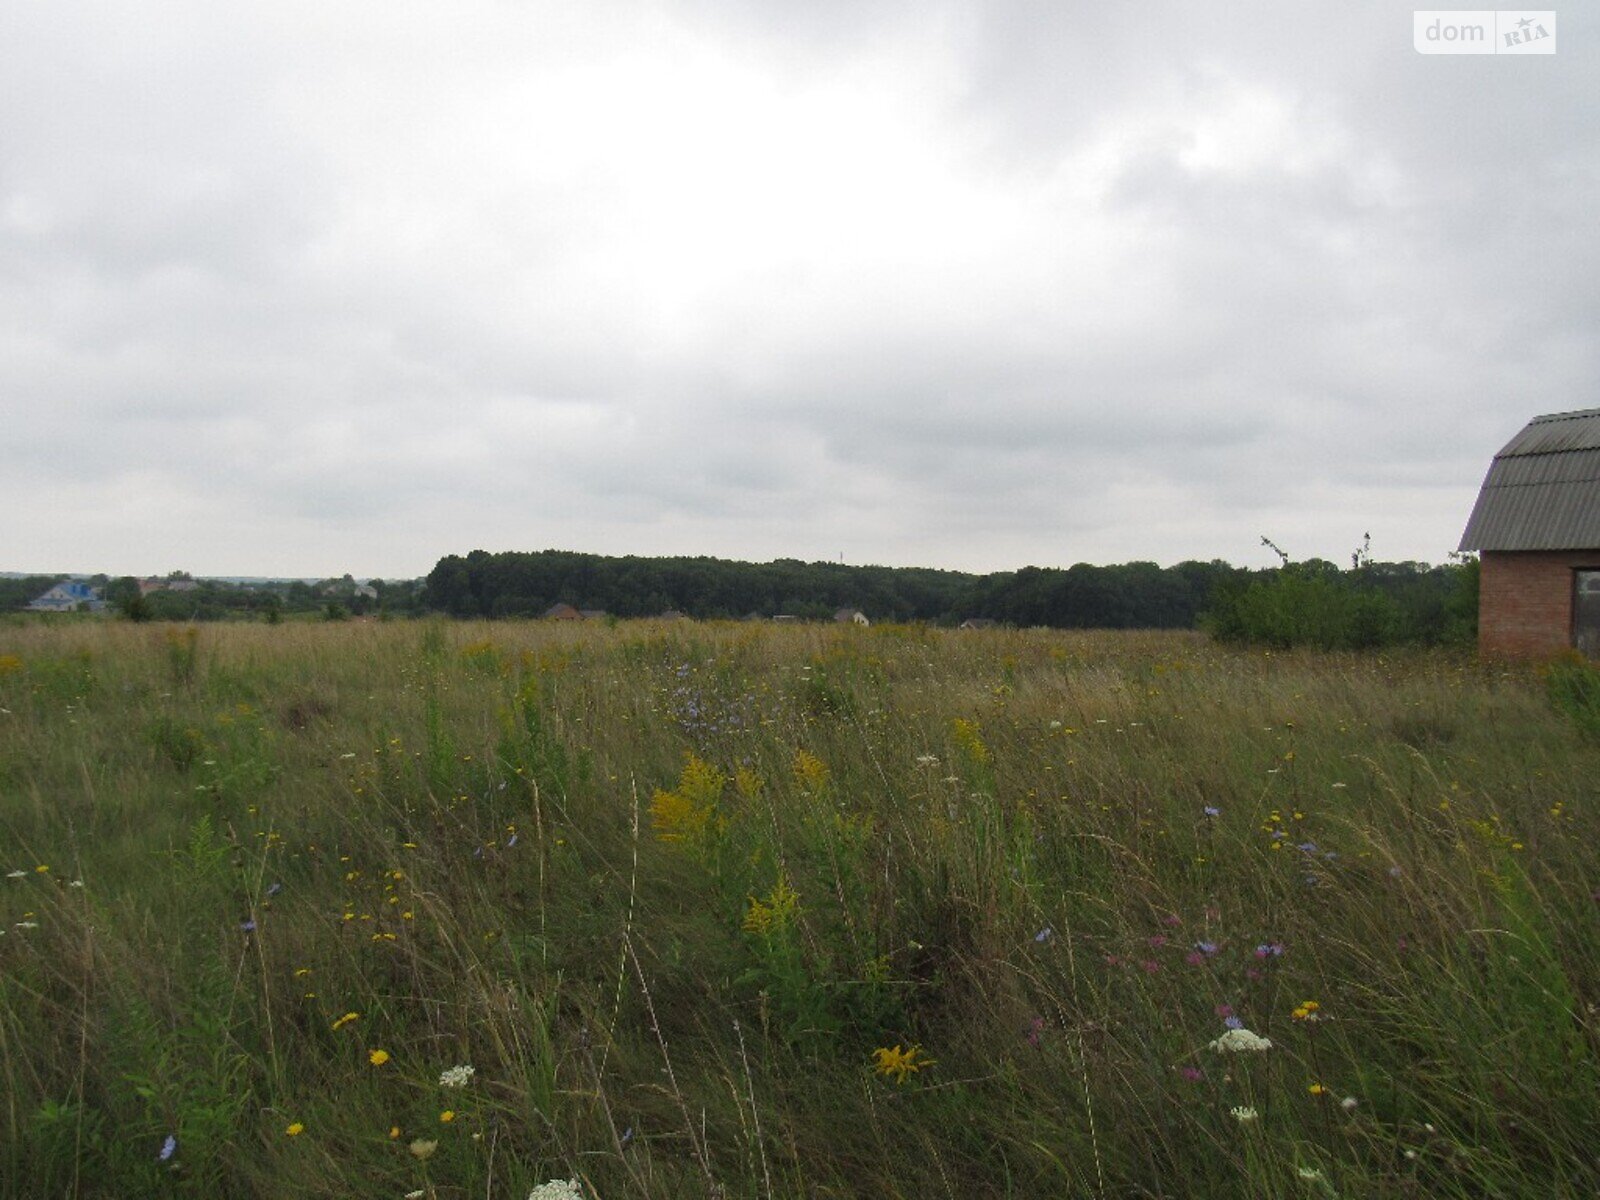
(774, 914)
(345, 1020)
(378, 1057)
(686, 813)
(900, 1063)
(394, 1132)
(295, 1129)
(447, 1116)
(1316, 1089)
(810, 770)
(969, 738)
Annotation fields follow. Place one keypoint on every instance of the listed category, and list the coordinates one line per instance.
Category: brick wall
(1525, 601)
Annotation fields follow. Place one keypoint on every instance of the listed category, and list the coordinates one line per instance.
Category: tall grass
(760, 911)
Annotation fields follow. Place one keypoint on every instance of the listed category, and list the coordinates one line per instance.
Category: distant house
(71, 596)
(365, 591)
(851, 616)
(146, 586)
(562, 612)
(182, 585)
(1536, 526)
(977, 623)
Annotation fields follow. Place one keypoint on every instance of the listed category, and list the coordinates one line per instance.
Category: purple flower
(1211, 811)
(1192, 1074)
(168, 1148)
(1233, 1022)
(511, 841)
(1206, 947)
(1307, 847)
(249, 925)
(1044, 935)
(1270, 950)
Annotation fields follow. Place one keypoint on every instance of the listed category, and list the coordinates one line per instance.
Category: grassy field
(764, 911)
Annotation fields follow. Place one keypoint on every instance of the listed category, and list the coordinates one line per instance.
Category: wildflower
(274, 889)
(295, 1129)
(1239, 1041)
(775, 913)
(557, 1189)
(394, 1133)
(1192, 1074)
(456, 1077)
(76, 883)
(18, 874)
(1349, 1103)
(422, 1149)
(345, 1020)
(378, 1057)
(1232, 1022)
(1044, 935)
(41, 869)
(1307, 1011)
(927, 760)
(1211, 810)
(1316, 1089)
(1244, 1114)
(418, 1194)
(1309, 1173)
(447, 1116)
(900, 1063)
(1206, 948)
(168, 1148)
(248, 925)
(1270, 950)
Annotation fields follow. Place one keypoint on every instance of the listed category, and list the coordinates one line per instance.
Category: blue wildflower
(168, 1148)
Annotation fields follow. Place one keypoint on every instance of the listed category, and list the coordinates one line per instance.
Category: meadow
(449, 910)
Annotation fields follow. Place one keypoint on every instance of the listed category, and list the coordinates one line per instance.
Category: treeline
(1372, 604)
(1129, 596)
(221, 600)
(1314, 602)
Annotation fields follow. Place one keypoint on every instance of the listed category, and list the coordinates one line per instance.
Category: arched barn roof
(1543, 490)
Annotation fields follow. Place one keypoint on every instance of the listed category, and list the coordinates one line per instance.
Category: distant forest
(1136, 595)
(1312, 602)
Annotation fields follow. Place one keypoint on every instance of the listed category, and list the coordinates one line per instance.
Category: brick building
(1536, 526)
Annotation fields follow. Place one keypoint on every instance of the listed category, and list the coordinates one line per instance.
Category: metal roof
(1543, 489)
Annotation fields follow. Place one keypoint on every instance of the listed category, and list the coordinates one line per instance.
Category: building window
(1586, 612)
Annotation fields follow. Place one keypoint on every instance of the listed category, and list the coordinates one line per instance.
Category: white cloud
(314, 289)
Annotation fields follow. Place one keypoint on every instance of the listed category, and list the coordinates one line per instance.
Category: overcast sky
(307, 288)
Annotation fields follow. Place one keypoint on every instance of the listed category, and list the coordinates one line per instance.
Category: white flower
(1244, 1114)
(927, 760)
(1309, 1173)
(27, 924)
(416, 1195)
(1237, 1041)
(1349, 1103)
(557, 1189)
(456, 1077)
(76, 883)
(16, 874)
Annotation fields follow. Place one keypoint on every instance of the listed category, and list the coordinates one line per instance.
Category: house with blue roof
(71, 596)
